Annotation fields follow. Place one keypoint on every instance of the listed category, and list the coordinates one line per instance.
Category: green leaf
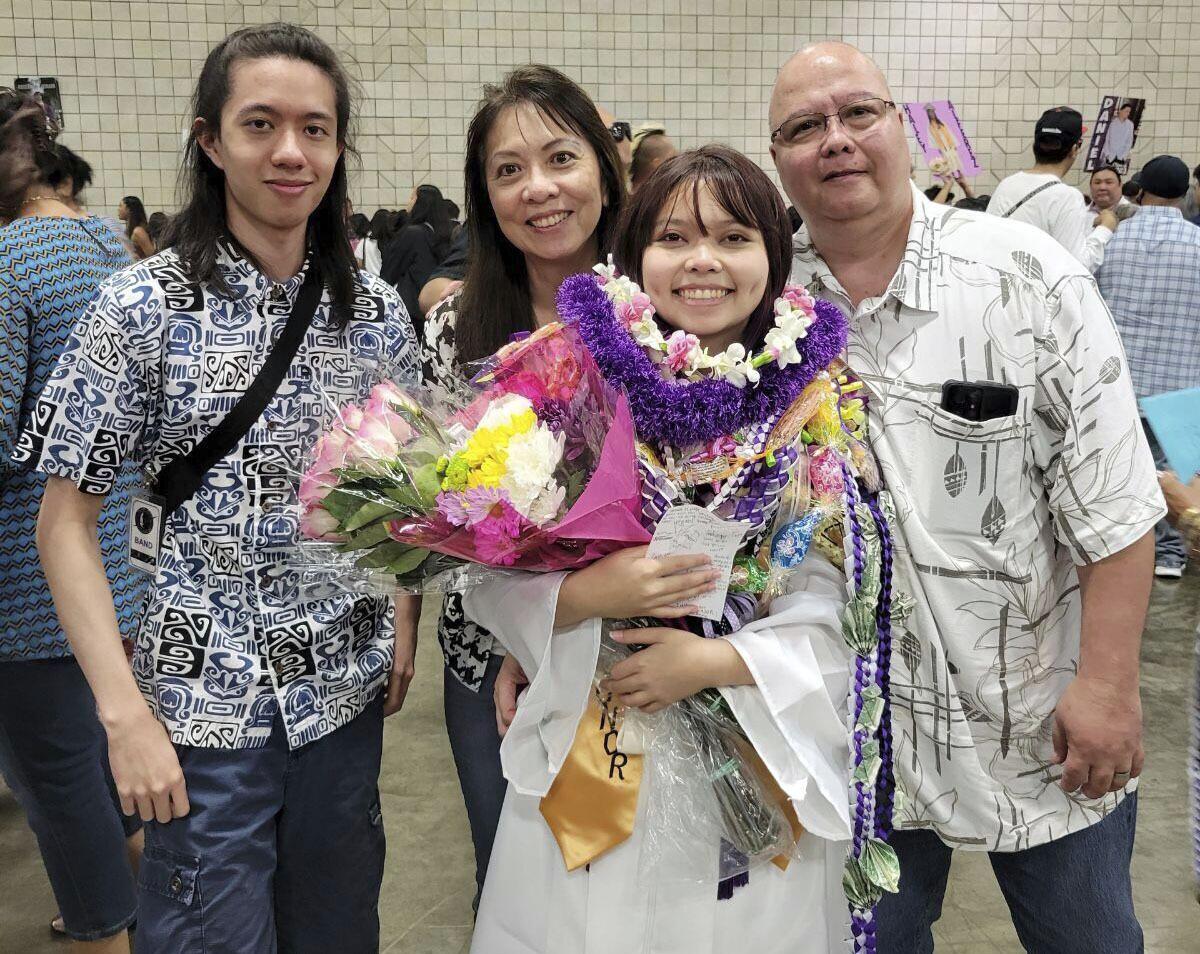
(383, 555)
(343, 503)
(872, 710)
(880, 865)
(428, 484)
(868, 769)
(367, 537)
(368, 513)
(407, 497)
(860, 892)
(408, 562)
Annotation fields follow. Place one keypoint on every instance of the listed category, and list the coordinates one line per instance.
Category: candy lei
(872, 866)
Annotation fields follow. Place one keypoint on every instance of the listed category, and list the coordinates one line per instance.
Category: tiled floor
(427, 888)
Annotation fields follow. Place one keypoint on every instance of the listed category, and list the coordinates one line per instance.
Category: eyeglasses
(810, 127)
(621, 130)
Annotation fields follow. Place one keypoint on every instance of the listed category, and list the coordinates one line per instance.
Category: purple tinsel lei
(684, 413)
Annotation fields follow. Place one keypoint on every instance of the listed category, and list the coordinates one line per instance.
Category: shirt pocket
(966, 478)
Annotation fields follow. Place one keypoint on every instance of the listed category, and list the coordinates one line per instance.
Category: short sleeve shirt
(466, 646)
(229, 639)
(993, 516)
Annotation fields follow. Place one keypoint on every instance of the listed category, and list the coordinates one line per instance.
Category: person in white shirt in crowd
(1119, 139)
(1039, 196)
(1002, 416)
(1106, 195)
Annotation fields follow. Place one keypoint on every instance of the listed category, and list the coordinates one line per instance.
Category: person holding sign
(739, 409)
(249, 734)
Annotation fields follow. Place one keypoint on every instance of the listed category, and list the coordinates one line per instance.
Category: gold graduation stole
(592, 804)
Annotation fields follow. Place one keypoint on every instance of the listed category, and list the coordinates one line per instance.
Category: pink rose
(374, 447)
(351, 417)
(679, 350)
(317, 523)
(314, 486)
(330, 452)
(380, 409)
(800, 298)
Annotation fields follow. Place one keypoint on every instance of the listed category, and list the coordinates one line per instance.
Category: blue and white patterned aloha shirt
(228, 640)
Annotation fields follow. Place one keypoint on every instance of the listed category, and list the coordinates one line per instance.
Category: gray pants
(1169, 548)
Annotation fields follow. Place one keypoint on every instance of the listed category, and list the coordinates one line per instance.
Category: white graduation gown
(796, 718)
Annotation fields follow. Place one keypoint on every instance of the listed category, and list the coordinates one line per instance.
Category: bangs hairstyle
(495, 302)
(201, 224)
(742, 189)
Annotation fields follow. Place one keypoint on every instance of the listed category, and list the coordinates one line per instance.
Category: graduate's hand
(510, 680)
(674, 665)
(627, 583)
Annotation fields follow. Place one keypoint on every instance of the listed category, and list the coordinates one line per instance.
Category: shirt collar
(1166, 211)
(238, 270)
(915, 284)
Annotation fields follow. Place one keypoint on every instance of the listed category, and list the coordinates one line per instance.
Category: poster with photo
(1115, 133)
(942, 139)
(45, 90)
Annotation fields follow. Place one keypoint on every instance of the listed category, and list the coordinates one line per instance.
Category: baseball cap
(1166, 177)
(1060, 126)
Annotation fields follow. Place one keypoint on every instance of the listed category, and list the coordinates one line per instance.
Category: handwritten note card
(689, 529)
(1175, 420)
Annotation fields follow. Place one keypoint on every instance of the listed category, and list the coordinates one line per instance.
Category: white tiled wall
(704, 68)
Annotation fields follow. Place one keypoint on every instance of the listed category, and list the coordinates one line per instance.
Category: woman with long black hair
(544, 185)
(415, 250)
(133, 214)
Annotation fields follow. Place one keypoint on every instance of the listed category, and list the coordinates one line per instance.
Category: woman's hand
(510, 680)
(1179, 497)
(674, 665)
(627, 583)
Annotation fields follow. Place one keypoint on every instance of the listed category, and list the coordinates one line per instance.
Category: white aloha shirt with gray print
(993, 516)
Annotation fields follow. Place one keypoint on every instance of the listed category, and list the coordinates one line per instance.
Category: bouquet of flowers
(536, 472)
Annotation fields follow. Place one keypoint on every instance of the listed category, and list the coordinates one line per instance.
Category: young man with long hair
(249, 733)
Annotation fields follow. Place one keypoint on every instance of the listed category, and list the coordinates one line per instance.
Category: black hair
(382, 227)
(201, 224)
(1131, 189)
(135, 214)
(27, 154)
(1052, 149)
(70, 166)
(358, 225)
(1196, 173)
(495, 301)
(155, 226)
(742, 189)
(933, 191)
(430, 209)
(1112, 169)
(451, 209)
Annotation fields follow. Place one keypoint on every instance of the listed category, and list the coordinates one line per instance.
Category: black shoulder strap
(1042, 188)
(182, 477)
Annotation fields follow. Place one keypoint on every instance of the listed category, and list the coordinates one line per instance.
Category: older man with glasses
(1002, 416)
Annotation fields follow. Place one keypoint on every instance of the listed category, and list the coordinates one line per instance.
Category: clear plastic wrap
(705, 788)
(534, 470)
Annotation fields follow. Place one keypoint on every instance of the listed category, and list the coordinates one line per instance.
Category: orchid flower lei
(795, 311)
